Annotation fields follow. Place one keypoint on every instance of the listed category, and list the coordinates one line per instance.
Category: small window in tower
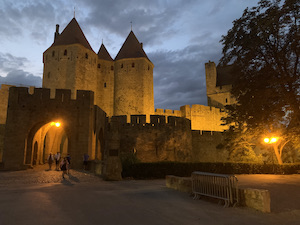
(65, 52)
(105, 85)
(226, 100)
(112, 67)
(86, 56)
(122, 65)
(53, 53)
(132, 65)
(148, 67)
(99, 66)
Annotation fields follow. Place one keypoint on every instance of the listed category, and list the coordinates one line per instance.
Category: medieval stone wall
(159, 140)
(164, 139)
(205, 146)
(2, 127)
(202, 117)
(3, 102)
(27, 113)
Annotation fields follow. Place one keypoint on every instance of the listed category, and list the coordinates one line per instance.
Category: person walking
(69, 163)
(57, 159)
(85, 161)
(50, 160)
(64, 167)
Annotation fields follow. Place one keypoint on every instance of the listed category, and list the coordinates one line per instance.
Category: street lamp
(273, 142)
(57, 124)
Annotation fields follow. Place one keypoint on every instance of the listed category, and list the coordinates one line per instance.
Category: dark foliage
(263, 47)
(160, 169)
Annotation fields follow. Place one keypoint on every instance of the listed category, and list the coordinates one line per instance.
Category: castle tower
(70, 62)
(105, 81)
(218, 85)
(211, 80)
(133, 93)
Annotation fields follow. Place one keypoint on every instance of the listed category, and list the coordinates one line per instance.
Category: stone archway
(29, 117)
(48, 138)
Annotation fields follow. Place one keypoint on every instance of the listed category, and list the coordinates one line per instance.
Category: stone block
(183, 184)
(256, 198)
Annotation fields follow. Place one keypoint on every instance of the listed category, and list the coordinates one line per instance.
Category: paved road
(42, 197)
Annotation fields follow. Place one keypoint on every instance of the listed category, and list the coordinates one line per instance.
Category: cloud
(9, 62)
(179, 77)
(21, 78)
(11, 71)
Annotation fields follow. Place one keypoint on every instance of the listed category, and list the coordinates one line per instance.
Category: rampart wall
(205, 146)
(164, 139)
(159, 140)
(3, 102)
(205, 118)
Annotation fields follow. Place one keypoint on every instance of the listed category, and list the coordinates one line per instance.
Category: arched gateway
(37, 125)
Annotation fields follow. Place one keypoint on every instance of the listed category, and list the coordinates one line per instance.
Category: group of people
(62, 164)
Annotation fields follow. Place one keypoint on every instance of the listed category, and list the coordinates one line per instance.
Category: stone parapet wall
(3, 102)
(202, 117)
(160, 140)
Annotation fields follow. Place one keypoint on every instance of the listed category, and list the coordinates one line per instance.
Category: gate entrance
(49, 138)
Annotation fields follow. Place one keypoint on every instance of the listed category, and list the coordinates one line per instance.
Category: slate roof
(131, 48)
(103, 53)
(224, 75)
(72, 34)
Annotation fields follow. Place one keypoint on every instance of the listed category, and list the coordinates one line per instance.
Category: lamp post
(273, 141)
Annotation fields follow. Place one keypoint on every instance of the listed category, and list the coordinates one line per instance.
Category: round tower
(133, 92)
(104, 96)
(70, 62)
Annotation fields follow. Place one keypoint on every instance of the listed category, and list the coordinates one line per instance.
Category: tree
(263, 48)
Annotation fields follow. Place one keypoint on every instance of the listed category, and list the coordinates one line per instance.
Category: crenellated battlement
(155, 121)
(23, 96)
(202, 117)
(206, 133)
(168, 112)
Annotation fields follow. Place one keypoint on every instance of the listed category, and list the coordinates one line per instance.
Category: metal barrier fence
(219, 186)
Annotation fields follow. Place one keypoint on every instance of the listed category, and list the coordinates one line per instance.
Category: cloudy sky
(179, 37)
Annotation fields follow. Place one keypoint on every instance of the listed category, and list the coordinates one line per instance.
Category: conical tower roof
(103, 53)
(72, 34)
(131, 48)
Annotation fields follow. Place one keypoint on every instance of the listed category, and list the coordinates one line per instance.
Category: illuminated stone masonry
(106, 108)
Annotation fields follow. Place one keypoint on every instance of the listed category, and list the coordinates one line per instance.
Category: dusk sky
(179, 37)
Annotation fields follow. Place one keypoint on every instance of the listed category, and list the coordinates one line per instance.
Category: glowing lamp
(271, 140)
(57, 124)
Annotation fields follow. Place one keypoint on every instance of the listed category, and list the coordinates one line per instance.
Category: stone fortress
(106, 109)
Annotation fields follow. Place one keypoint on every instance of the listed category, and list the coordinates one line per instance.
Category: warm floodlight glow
(271, 140)
(274, 139)
(57, 124)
